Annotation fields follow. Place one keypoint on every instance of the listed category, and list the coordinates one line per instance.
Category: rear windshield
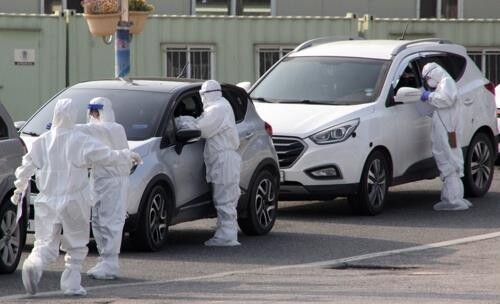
(326, 80)
(138, 111)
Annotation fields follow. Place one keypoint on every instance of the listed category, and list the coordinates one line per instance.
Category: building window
(488, 61)
(189, 61)
(440, 9)
(255, 7)
(212, 7)
(267, 56)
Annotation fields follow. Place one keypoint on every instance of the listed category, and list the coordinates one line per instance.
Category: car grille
(288, 150)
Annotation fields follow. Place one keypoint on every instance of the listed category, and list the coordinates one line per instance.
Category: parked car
(12, 236)
(338, 130)
(170, 186)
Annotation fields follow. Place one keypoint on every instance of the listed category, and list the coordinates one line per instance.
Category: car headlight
(336, 133)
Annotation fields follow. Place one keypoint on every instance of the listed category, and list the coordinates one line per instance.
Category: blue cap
(95, 106)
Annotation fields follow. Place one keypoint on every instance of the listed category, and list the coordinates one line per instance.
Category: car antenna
(404, 32)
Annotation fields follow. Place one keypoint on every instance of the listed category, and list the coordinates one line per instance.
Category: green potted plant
(102, 16)
(138, 12)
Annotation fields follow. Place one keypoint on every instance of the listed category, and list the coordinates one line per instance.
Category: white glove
(136, 158)
(16, 197)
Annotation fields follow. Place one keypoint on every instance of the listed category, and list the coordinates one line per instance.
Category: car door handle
(249, 135)
(468, 101)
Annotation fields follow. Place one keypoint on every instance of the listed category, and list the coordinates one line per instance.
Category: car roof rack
(410, 42)
(323, 40)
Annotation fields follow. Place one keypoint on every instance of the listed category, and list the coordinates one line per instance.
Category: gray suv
(170, 186)
(12, 237)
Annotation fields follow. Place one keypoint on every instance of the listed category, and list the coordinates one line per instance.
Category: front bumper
(296, 191)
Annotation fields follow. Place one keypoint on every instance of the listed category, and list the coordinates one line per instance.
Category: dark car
(12, 236)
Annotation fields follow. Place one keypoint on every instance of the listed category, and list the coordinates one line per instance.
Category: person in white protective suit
(60, 159)
(223, 163)
(447, 120)
(110, 185)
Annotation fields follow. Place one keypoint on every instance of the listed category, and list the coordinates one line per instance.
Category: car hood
(303, 120)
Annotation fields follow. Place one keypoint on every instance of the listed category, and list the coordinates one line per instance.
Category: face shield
(94, 112)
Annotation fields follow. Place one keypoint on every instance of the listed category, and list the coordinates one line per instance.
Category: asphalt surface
(318, 252)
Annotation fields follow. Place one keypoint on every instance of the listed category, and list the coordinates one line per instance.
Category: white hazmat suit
(60, 160)
(447, 121)
(223, 163)
(110, 185)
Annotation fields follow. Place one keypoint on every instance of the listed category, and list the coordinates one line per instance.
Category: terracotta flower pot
(138, 18)
(102, 24)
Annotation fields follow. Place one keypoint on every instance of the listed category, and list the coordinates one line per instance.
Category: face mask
(432, 83)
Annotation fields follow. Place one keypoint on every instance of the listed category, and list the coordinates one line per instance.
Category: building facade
(483, 9)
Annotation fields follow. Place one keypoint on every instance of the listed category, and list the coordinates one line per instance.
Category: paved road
(277, 267)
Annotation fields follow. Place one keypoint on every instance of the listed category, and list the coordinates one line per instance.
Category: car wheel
(372, 193)
(11, 238)
(262, 205)
(478, 166)
(151, 234)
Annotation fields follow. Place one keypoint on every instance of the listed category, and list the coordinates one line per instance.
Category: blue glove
(425, 96)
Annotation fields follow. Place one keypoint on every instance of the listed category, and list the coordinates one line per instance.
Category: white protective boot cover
(452, 195)
(71, 282)
(225, 200)
(31, 274)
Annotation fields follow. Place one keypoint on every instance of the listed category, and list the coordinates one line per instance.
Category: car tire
(373, 186)
(478, 166)
(151, 234)
(11, 240)
(262, 205)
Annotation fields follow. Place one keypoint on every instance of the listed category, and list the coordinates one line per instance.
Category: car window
(238, 102)
(328, 80)
(4, 131)
(189, 105)
(138, 111)
(409, 78)
(452, 63)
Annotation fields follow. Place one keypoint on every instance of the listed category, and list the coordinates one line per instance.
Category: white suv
(338, 130)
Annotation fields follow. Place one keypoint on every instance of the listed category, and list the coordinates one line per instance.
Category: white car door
(413, 130)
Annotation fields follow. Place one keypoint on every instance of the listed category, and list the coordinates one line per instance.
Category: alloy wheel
(10, 238)
(480, 164)
(264, 202)
(377, 180)
(158, 218)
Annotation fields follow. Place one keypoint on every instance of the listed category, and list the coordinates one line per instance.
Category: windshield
(138, 111)
(325, 80)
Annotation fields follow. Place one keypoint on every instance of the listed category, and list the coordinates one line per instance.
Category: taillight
(490, 87)
(269, 129)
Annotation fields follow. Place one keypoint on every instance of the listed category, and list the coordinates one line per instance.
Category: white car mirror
(245, 85)
(407, 95)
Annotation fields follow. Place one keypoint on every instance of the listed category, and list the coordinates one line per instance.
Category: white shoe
(75, 292)
(31, 277)
(220, 242)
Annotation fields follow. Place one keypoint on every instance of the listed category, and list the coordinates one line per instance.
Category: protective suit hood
(210, 92)
(65, 114)
(106, 113)
(434, 73)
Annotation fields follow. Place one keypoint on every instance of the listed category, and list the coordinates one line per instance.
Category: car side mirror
(245, 85)
(407, 95)
(19, 124)
(184, 137)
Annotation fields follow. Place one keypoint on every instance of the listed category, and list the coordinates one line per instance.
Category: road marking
(460, 241)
